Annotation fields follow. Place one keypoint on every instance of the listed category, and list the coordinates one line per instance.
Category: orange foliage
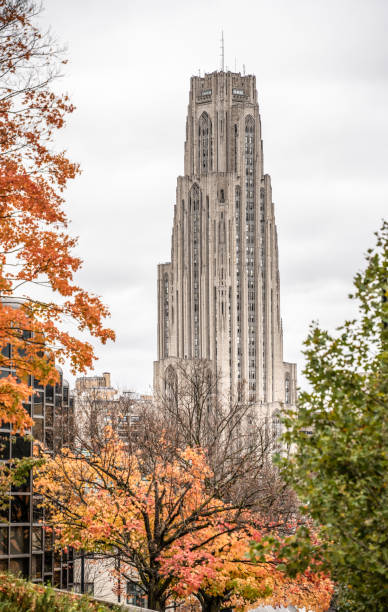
(101, 499)
(114, 501)
(36, 259)
(308, 590)
(179, 537)
(226, 574)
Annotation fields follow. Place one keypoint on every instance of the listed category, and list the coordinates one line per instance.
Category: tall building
(26, 547)
(219, 296)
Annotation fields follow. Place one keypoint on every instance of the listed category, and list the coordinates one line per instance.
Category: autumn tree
(340, 434)
(38, 295)
(237, 444)
(238, 441)
(95, 408)
(139, 497)
(227, 577)
(120, 502)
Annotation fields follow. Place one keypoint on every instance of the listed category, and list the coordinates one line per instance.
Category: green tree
(339, 465)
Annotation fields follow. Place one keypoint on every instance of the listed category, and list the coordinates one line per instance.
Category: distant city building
(99, 385)
(219, 296)
(93, 398)
(98, 404)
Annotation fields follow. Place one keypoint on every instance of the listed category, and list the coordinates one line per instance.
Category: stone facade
(219, 297)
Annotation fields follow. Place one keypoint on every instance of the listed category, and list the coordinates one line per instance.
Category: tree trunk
(211, 604)
(155, 602)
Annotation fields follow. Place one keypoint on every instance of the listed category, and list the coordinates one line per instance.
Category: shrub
(18, 595)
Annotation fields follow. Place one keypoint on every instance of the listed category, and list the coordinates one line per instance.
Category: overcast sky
(321, 68)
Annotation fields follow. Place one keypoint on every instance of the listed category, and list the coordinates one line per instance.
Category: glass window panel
(50, 394)
(4, 511)
(19, 540)
(37, 511)
(25, 487)
(27, 408)
(49, 416)
(64, 578)
(6, 351)
(48, 562)
(36, 566)
(37, 430)
(57, 558)
(20, 508)
(21, 351)
(4, 541)
(49, 439)
(135, 595)
(4, 446)
(37, 539)
(3, 565)
(37, 384)
(48, 540)
(57, 579)
(38, 404)
(21, 447)
(19, 566)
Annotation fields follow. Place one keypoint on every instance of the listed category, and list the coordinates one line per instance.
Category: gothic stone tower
(218, 298)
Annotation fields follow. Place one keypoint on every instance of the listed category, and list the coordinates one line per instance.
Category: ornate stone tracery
(205, 149)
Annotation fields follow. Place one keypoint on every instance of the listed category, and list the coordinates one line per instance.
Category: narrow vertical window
(250, 263)
(195, 202)
(287, 390)
(205, 149)
(238, 285)
(171, 385)
(235, 146)
(165, 313)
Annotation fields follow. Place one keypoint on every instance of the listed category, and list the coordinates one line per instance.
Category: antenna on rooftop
(222, 51)
(243, 69)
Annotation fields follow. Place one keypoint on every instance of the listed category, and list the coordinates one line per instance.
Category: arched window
(195, 197)
(171, 384)
(249, 125)
(205, 149)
